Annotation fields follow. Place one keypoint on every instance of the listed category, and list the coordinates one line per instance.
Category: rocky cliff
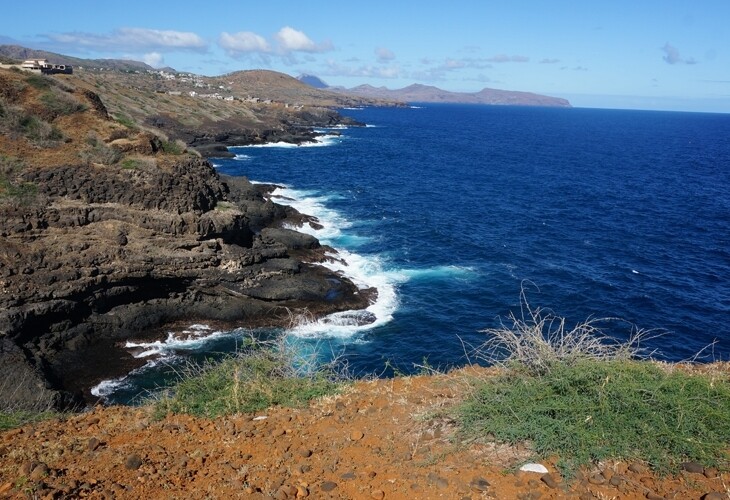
(109, 231)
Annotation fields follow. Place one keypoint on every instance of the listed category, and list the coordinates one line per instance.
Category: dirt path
(380, 439)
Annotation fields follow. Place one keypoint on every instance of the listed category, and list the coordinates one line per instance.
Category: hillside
(427, 93)
(16, 53)
(377, 439)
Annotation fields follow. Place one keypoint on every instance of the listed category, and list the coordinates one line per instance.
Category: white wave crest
(319, 141)
(366, 271)
(190, 338)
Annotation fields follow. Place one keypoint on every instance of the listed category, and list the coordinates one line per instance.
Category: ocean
(452, 210)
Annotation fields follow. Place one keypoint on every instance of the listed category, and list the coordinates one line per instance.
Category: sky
(637, 54)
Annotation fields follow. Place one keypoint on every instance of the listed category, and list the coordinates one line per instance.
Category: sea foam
(366, 271)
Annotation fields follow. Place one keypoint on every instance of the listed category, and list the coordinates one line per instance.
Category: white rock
(261, 417)
(539, 468)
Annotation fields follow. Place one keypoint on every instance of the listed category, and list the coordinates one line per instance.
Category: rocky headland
(111, 228)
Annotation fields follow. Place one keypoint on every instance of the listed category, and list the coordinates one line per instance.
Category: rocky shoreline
(110, 254)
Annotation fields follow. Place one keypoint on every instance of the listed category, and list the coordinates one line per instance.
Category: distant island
(429, 93)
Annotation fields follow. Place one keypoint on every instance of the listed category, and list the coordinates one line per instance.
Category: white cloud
(291, 40)
(335, 68)
(130, 40)
(384, 54)
(549, 61)
(285, 43)
(243, 42)
(504, 58)
(671, 55)
(154, 59)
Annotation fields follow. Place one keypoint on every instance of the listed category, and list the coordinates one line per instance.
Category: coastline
(231, 265)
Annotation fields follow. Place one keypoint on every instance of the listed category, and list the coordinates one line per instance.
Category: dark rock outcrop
(104, 254)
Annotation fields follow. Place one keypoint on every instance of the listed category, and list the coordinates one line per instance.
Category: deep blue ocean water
(449, 210)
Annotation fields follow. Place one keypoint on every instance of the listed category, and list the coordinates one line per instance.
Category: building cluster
(46, 68)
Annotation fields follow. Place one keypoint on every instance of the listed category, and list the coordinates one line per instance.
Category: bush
(176, 147)
(583, 397)
(97, 151)
(538, 340)
(39, 81)
(60, 103)
(260, 376)
(126, 121)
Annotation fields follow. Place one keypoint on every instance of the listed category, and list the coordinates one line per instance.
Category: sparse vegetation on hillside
(97, 151)
(11, 189)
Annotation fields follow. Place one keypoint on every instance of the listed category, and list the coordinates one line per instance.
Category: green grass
(60, 103)
(173, 147)
(11, 189)
(14, 419)
(594, 410)
(39, 81)
(260, 376)
(126, 121)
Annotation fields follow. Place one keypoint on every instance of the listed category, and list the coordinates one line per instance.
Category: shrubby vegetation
(578, 396)
(260, 375)
(97, 151)
(11, 189)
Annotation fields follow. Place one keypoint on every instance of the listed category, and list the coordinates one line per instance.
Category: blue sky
(649, 54)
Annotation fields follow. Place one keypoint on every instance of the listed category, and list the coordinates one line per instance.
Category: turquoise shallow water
(449, 209)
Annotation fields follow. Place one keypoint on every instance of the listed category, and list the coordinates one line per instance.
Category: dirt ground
(379, 439)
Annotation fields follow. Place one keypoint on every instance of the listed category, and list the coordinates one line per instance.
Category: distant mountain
(19, 54)
(428, 93)
(279, 87)
(313, 81)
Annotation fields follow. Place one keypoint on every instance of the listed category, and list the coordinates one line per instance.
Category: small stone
(597, 479)
(133, 462)
(356, 435)
(348, 475)
(549, 480)
(377, 494)
(637, 468)
(616, 480)
(539, 468)
(439, 481)
(26, 468)
(278, 432)
(650, 495)
(39, 472)
(711, 473)
(479, 484)
(372, 474)
(305, 452)
(693, 467)
(328, 486)
(713, 495)
(302, 492)
(93, 444)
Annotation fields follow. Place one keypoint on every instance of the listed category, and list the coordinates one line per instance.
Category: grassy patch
(97, 151)
(39, 81)
(11, 188)
(60, 103)
(594, 410)
(260, 376)
(176, 147)
(126, 121)
(578, 395)
(13, 419)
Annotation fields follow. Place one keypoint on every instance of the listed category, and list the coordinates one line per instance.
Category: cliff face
(108, 232)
